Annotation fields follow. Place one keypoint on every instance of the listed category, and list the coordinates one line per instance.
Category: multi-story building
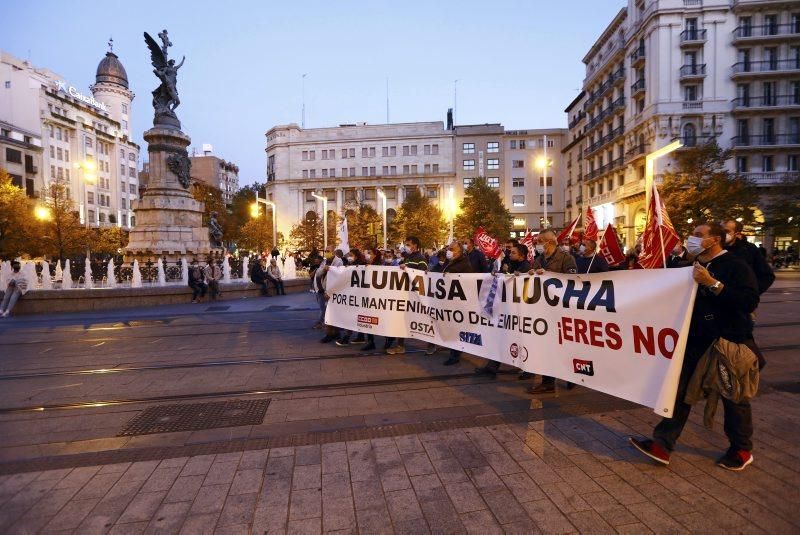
(216, 172)
(533, 185)
(350, 164)
(479, 153)
(61, 134)
(573, 159)
(690, 70)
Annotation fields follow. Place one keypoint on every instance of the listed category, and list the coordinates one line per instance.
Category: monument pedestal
(169, 221)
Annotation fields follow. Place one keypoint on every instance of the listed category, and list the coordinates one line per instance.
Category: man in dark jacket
(678, 257)
(736, 243)
(414, 260)
(259, 276)
(476, 257)
(457, 262)
(586, 261)
(517, 260)
(726, 296)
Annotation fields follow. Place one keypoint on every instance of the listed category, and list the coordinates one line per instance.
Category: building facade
(350, 164)
(52, 132)
(572, 154)
(691, 70)
(216, 172)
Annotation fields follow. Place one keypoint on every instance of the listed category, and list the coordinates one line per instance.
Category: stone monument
(169, 221)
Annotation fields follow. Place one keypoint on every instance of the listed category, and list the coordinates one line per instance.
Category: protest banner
(622, 333)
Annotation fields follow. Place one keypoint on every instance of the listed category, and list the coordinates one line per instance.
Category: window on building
(324, 173)
(549, 182)
(768, 163)
(468, 148)
(344, 153)
(493, 146)
(324, 154)
(435, 149)
(414, 169)
(58, 134)
(435, 168)
(413, 150)
(364, 171)
(469, 165)
(60, 153)
(741, 164)
(312, 155)
(124, 108)
(132, 189)
(384, 151)
(13, 155)
(372, 152)
(123, 203)
(792, 162)
(426, 150)
(364, 152)
(351, 153)
(426, 168)
(385, 170)
(518, 200)
(372, 171)
(493, 163)
(768, 130)
(517, 164)
(89, 197)
(518, 182)
(433, 193)
(493, 181)
(91, 216)
(690, 93)
(521, 143)
(406, 150)
(305, 156)
(8, 84)
(468, 182)
(344, 172)
(689, 135)
(312, 173)
(549, 199)
(393, 170)
(305, 173)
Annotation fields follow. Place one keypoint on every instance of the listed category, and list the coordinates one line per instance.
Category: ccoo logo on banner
(622, 333)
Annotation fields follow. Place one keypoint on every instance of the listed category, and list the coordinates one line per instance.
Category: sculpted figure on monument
(165, 96)
(215, 230)
(180, 164)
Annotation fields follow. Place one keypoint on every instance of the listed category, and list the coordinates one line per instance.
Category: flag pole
(663, 252)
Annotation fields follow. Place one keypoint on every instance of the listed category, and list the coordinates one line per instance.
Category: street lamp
(649, 165)
(274, 218)
(42, 213)
(451, 201)
(382, 195)
(87, 169)
(324, 218)
(543, 163)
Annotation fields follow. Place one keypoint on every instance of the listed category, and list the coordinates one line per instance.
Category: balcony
(775, 66)
(601, 91)
(693, 72)
(31, 169)
(603, 141)
(616, 163)
(766, 32)
(766, 102)
(637, 56)
(578, 118)
(579, 199)
(691, 38)
(771, 178)
(569, 203)
(693, 105)
(636, 151)
(637, 87)
(694, 141)
(766, 140)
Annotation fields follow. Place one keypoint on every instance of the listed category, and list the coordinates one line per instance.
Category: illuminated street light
(542, 162)
(324, 218)
(255, 212)
(42, 213)
(382, 195)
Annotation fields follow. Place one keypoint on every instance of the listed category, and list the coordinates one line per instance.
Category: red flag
(590, 229)
(529, 241)
(569, 232)
(609, 247)
(488, 245)
(659, 236)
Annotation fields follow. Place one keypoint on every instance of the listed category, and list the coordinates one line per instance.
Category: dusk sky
(518, 62)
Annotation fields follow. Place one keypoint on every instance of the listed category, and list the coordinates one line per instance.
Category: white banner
(622, 333)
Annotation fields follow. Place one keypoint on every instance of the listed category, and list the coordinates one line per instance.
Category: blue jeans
(323, 305)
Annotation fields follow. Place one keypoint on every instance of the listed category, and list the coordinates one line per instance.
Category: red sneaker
(651, 449)
(735, 460)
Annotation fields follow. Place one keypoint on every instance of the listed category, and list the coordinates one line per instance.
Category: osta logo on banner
(470, 338)
(518, 351)
(584, 367)
(367, 321)
(422, 328)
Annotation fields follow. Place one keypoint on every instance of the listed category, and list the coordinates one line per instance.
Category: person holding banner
(550, 258)
(727, 295)
(415, 260)
(587, 260)
(457, 262)
(476, 257)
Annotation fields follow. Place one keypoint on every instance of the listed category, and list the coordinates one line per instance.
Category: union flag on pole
(487, 244)
(609, 247)
(590, 229)
(529, 241)
(569, 232)
(659, 235)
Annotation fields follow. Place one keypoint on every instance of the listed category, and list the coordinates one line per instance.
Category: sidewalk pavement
(564, 475)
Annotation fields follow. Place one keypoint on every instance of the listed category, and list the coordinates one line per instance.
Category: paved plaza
(303, 437)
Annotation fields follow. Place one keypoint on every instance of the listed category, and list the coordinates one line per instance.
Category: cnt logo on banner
(622, 333)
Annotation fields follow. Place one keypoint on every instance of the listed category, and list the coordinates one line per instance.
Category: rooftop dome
(111, 71)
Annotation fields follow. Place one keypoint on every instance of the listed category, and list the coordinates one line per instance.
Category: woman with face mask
(372, 257)
(457, 262)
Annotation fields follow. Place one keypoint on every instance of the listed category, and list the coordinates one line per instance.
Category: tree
(364, 226)
(308, 234)
(483, 207)
(211, 198)
(109, 240)
(17, 222)
(62, 234)
(781, 205)
(419, 217)
(700, 188)
(239, 213)
(256, 234)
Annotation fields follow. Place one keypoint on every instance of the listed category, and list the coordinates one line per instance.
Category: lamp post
(452, 206)
(649, 165)
(382, 195)
(543, 163)
(324, 218)
(274, 218)
(87, 168)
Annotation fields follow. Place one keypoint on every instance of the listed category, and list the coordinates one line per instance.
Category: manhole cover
(196, 416)
(217, 308)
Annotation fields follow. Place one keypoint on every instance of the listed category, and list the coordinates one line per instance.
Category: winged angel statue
(165, 96)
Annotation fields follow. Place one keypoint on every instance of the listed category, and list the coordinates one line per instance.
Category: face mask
(695, 245)
(404, 249)
(565, 248)
(350, 258)
(729, 238)
(540, 248)
(582, 249)
(449, 255)
(328, 255)
(368, 257)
